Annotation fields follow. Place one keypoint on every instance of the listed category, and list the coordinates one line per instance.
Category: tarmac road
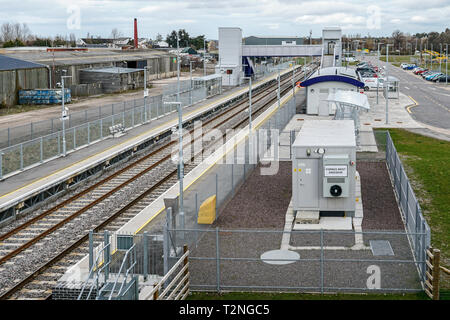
(433, 100)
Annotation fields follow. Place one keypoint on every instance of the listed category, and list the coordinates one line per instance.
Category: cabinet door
(308, 183)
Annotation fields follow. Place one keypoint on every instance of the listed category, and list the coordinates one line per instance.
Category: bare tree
(7, 32)
(398, 37)
(115, 33)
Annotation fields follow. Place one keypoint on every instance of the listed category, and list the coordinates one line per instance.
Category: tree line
(401, 43)
(19, 35)
(185, 40)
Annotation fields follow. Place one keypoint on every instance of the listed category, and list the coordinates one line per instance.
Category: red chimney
(135, 34)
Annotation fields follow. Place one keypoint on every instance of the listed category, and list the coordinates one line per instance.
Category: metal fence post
(217, 189)
(59, 142)
(21, 156)
(423, 251)
(91, 249)
(101, 129)
(42, 148)
(217, 260)
(166, 246)
(145, 255)
(407, 203)
(106, 254)
(1, 165)
(416, 224)
(321, 261)
(74, 138)
(232, 179)
(89, 133)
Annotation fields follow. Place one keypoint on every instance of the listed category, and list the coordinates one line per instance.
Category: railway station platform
(42, 182)
(210, 176)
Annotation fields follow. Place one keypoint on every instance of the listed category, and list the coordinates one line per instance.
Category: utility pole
(190, 78)
(178, 70)
(387, 84)
(180, 160)
(145, 93)
(63, 114)
(204, 57)
(378, 80)
(249, 102)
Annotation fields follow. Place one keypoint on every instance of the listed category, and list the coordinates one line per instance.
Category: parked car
(371, 83)
(403, 65)
(420, 70)
(410, 66)
(433, 76)
(426, 73)
(442, 78)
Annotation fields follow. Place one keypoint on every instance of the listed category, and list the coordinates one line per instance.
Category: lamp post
(145, 93)
(63, 114)
(249, 103)
(387, 83)
(178, 70)
(378, 80)
(204, 57)
(190, 79)
(180, 160)
(440, 57)
(446, 63)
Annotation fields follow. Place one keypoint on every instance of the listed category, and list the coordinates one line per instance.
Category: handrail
(120, 270)
(168, 274)
(93, 269)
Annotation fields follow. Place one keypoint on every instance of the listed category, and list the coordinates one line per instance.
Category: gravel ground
(379, 204)
(257, 206)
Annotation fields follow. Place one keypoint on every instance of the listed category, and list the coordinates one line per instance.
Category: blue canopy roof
(333, 77)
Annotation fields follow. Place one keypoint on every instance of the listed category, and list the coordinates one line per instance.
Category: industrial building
(16, 74)
(47, 65)
(114, 79)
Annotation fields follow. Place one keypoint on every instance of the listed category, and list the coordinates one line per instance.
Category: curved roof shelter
(338, 74)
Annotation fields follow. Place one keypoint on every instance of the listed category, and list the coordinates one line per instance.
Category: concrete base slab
(307, 216)
(327, 223)
(285, 256)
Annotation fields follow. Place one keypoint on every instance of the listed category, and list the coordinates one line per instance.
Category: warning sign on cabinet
(335, 171)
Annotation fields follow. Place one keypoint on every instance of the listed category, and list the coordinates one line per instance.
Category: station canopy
(350, 98)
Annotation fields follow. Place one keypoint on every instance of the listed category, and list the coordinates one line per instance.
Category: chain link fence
(82, 131)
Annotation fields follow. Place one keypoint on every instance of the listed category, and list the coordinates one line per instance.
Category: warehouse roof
(8, 63)
(84, 57)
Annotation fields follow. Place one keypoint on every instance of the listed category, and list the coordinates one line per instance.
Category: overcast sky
(255, 17)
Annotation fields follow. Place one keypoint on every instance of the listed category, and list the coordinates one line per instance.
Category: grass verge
(426, 163)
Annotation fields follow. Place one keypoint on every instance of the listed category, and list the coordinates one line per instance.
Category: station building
(325, 81)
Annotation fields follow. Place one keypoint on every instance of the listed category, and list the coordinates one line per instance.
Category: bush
(15, 43)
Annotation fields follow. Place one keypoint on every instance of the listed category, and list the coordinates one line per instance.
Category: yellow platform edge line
(213, 164)
(136, 137)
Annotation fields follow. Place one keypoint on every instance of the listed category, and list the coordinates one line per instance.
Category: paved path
(432, 100)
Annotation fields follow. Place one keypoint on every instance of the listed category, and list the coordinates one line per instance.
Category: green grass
(397, 60)
(301, 296)
(426, 162)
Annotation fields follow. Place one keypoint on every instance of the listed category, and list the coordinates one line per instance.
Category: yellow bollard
(207, 211)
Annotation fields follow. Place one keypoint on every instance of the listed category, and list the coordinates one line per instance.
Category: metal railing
(408, 204)
(328, 261)
(25, 155)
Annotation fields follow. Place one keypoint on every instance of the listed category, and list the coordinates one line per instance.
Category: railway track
(58, 235)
